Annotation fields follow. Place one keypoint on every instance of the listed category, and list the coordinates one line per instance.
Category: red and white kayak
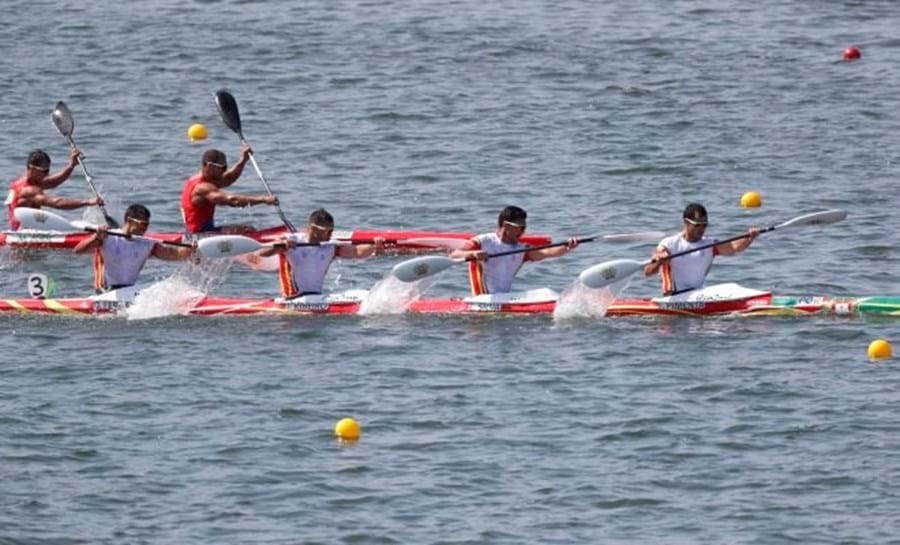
(396, 241)
(718, 300)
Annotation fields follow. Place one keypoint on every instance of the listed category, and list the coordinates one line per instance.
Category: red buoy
(852, 53)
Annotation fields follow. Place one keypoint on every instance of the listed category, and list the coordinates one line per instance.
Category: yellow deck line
(56, 306)
(14, 304)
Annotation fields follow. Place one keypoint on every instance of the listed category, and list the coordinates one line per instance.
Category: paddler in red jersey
(204, 190)
(688, 272)
(302, 268)
(496, 274)
(28, 190)
(118, 260)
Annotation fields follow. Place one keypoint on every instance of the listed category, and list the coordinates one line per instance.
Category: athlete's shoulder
(670, 241)
(478, 241)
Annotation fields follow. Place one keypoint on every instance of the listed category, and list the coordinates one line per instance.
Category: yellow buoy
(197, 132)
(347, 429)
(880, 349)
(751, 199)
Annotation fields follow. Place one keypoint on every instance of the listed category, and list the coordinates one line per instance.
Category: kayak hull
(759, 305)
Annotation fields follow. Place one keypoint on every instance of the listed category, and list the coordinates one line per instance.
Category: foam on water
(205, 274)
(580, 301)
(169, 297)
(6, 259)
(180, 292)
(391, 296)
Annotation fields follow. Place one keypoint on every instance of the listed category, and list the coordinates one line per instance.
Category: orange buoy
(880, 349)
(197, 132)
(751, 199)
(347, 429)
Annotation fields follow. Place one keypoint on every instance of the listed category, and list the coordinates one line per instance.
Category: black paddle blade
(228, 109)
(63, 119)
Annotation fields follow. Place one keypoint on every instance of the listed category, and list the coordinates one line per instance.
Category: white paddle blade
(609, 272)
(228, 246)
(648, 236)
(83, 225)
(32, 218)
(436, 242)
(420, 267)
(816, 218)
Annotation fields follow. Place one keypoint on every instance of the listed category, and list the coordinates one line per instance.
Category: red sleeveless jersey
(12, 200)
(197, 219)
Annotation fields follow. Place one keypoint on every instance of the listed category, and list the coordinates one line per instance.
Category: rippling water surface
(596, 117)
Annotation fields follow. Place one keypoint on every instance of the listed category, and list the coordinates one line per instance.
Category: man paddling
(204, 190)
(688, 272)
(496, 274)
(302, 268)
(118, 260)
(28, 190)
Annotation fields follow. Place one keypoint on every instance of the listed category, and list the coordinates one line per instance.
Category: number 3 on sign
(37, 285)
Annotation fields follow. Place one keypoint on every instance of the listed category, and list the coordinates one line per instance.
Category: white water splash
(580, 301)
(206, 274)
(7, 260)
(93, 217)
(391, 296)
(170, 297)
(179, 293)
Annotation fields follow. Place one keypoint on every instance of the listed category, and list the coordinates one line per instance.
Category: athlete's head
(137, 219)
(695, 212)
(695, 221)
(321, 225)
(38, 165)
(511, 224)
(213, 164)
(38, 158)
(513, 215)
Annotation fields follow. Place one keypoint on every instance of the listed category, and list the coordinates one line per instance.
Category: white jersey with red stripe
(497, 273)
(305, 268)
(121, 260)
(689, 271)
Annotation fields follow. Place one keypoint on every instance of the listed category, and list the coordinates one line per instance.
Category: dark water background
(596, 117)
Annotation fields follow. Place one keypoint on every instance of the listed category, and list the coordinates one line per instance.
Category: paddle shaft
(265, 184)
(230, 113)
(530, 248)
(139, 237)
(707, 246)
(90, 182)
(334, 243)
(235, 245)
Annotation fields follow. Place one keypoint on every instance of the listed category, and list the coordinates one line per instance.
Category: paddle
(65, 124)
(420, 267)
(613, 271)
(235, 245)
(228, 109)
(32, 218)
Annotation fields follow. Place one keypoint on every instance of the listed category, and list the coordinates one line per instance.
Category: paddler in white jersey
(118, 260)
(496, 274)
(303, 267)
(688, 272)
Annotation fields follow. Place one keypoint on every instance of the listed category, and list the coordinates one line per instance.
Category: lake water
(595, 117)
